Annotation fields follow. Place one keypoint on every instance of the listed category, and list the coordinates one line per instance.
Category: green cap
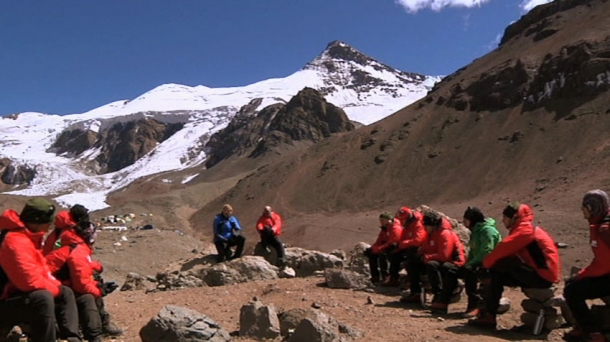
(38, 210)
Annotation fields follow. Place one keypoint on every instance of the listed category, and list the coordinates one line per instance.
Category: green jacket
(483, 239)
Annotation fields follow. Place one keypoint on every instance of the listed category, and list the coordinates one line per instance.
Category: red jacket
(531, 244)
(599, 241)
(22, 260)
(443, 245)
(388, 235)
(63, 220)
(76, 254)
(274, 221)
(414, 234)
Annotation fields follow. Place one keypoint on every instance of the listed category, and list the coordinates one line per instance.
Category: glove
(233, 225)
(391, 248)
(108, 288)
(374, 249)
(268, 231)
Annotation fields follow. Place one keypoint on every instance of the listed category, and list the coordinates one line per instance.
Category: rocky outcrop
(259, 321)
(307, 117)
(12, 174)
(178, 324)
(306, 262)
(73, 142)
(242, 270)
(345, 279)
(126, 142)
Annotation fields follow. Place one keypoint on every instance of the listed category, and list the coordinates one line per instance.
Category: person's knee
(574, 291)
(43, 301)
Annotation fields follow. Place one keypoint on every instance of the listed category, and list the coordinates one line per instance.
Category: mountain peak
(341, 51)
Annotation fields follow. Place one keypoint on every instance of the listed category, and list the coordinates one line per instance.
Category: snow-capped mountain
(74, 157)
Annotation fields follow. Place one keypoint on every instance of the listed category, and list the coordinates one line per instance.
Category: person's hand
(268, 231)
(392, 248)
(108, 288)
(233, 225)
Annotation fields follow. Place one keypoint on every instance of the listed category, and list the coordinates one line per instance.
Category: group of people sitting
(425, 243)
(228, 233)
(48, 281)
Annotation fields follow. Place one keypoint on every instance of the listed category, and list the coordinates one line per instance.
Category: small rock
(370, 300)
(561, 245)
(315, 305)
(440, 319)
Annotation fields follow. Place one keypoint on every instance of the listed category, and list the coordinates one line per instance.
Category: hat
(596, 201)
(431, 219)
(38, 210)
(404, 212)
(386, 215)
(474, 215)
(79, 213)
(511, 210)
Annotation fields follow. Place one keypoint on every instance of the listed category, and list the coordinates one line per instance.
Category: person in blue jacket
(227, 233)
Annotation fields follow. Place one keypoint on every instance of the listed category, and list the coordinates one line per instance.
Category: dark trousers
(397, 259)
(443, 277)
(415, 269)
(101, 307)
(40, 311)
(471, 284)
(273, 241)
(89, 316)
(378, 263)
(512, 272)
(577, 291)
(224, 247)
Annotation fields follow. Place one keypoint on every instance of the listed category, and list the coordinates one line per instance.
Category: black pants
(415, 269)
(471, 284)
(397, 259)
(224, 247)
(443, 278)
(101, 307)
(273, 241)
(512, 272)
(40, 311)
(378, 263)
(89, 316)
(577, 291)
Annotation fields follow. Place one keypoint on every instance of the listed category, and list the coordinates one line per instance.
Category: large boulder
(178, 324)
(259, 321)
(358, 262)
(306, 262)
(133, 282)
(345, 279)
(310, 325)
(241, 270)
(269, 253)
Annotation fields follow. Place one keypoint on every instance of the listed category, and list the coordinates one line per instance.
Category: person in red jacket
(442, 254)
(30, 293)
(269, 227)
(387, 242)
(412, 237)
(72, 264)
(527, 258)
(594, 280)
(66, 219)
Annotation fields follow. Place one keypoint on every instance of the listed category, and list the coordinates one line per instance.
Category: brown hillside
(527, 122)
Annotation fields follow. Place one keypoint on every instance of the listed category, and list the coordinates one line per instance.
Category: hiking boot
(576, 334)
(412, 298)
(487, 321)
(391, 282)
(111, 329)
(375, 280)
(439, 308)
(471, 312)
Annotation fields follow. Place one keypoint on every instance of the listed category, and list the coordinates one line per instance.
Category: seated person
(227, 233)
(412, 237)
(71, 263)
(594, 280)
(387, 240)
(65, 219)
(442, 254)
(269, 227)
(484, 237)
(527, 258)
(30, 294)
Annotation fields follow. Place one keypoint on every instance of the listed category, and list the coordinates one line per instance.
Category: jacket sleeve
(24, 270)
(277, 224)
(236, 221)
(417, 240)
(215, 226)
(379, 242)
(81, 273)
(519, 239)
(393, 237)
(597, 268)
(97, 266)
(260, 224)
(484, 246)
(444, 247)
(57, 258)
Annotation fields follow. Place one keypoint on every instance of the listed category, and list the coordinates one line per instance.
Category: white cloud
(413, 6)
(494, 43)
(527, 5)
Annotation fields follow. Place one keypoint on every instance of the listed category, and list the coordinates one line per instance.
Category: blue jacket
(223, 227)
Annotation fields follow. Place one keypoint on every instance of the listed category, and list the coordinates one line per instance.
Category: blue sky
(71, 56)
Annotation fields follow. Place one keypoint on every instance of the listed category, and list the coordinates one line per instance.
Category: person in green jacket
(484, 237)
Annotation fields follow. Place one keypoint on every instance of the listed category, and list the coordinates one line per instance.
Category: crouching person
(72, 264)
(30, 293)
(484, 237)
(526, 258)
(269, 227)
(227, 233)
(387, 241)
(594, 280)
(442, 255)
